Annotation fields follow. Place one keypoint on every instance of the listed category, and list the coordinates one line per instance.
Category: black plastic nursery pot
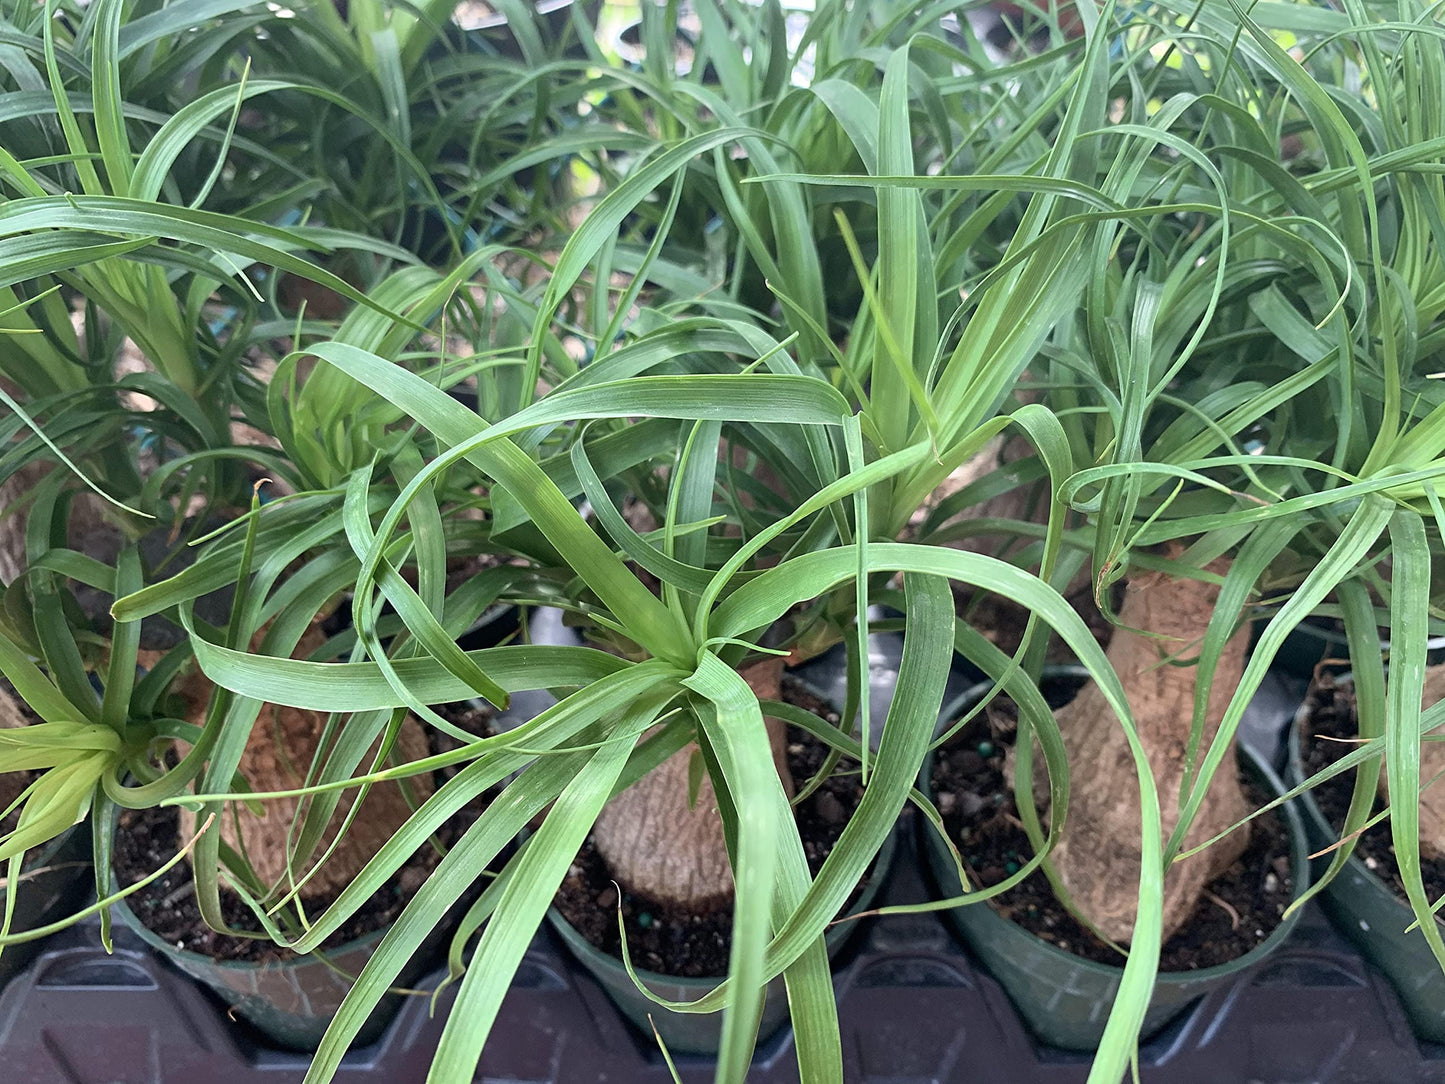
(1065, 999)
(1307, 644)
(495, 625)
(51, 884)
(289, 1001)
(701, 1033)
(491, 628)
(913, 1003)
(1317, 639)
(1370, 914)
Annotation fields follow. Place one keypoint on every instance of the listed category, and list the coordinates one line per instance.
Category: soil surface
(148, 838)
(1332, 715)
(977, 805)
(675, 941)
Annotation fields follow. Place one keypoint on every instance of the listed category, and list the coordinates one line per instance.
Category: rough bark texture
(282, 744)
(12, 521)
(12, 714)
(1432, 763)
(660, 848)
(1098, 857)
(86, 525)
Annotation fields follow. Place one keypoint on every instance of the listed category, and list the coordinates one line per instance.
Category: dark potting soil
(977, 805)
(1332, 715)
(675, 941)
(148, 838)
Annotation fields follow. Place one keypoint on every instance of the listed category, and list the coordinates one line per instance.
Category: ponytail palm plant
(99, 216)
(683, 679)
(778, 498)
(105, 728)
(1371, 526)
(1252, 381)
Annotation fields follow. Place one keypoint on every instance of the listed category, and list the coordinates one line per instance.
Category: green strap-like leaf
(531, 885)
(735, 730)
(1409, 589)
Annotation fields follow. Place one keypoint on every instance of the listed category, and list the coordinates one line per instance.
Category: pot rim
(1249, 759)
(156, 941)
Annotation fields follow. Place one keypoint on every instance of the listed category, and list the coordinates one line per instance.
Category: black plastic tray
(912, 1007)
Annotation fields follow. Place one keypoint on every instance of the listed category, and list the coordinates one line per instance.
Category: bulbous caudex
(1098, 857)
(661, 847)
(280, 749)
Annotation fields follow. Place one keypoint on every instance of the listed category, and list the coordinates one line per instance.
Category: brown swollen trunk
(1098, 857)
(87, 519)
(659, 847)
(278, 753)
(13, 713)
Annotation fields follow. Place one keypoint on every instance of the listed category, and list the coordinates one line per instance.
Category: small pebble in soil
(968, 803)
(607, 898)
(829, 808)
